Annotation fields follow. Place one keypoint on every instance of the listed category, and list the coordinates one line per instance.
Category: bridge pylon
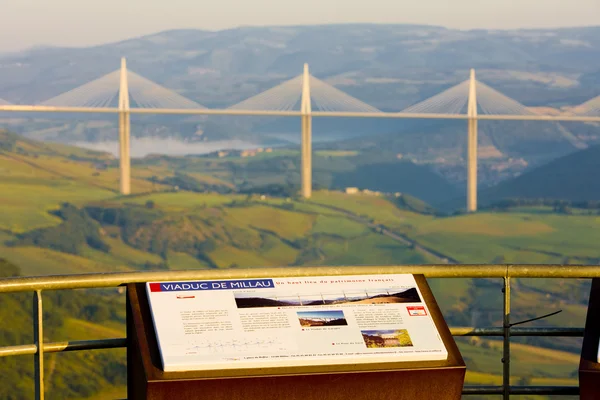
(472, 145)
(124, 132)
(306, 153)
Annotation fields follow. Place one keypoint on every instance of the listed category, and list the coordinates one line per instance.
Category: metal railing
(105, 280)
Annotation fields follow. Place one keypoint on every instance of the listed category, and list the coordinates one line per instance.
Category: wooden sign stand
(439, 380)
(589, 368)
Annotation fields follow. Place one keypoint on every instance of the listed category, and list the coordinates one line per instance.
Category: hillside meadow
(161, 228)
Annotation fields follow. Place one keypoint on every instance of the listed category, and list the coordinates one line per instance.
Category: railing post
(472, 146)
(124, 132)
(506, 345)
(306, 152)
(38, 339)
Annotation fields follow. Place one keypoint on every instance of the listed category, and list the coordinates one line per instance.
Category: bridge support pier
(472, 146)
(306, 152)
(124, 132)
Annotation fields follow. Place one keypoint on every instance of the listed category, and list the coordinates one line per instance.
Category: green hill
(64, 215)
(406, 177)
(572, 178)
(369, 169)
(13, 143)
(68, 315)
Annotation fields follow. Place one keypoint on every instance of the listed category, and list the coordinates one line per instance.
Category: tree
(499, 260)
(96, 312)
(206, 246)
(563, 208)
(8, 269)
(524, 381)
(76, 230)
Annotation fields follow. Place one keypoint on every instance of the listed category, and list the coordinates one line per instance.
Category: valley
(389, 67)
(62, 214)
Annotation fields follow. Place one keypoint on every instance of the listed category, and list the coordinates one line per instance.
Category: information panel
(252, 323)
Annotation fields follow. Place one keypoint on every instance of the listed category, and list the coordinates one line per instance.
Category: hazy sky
(25, 23)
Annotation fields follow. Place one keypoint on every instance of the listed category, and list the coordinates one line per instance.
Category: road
(382, 229)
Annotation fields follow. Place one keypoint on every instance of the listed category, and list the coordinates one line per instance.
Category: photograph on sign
(271, 322)
(387, 338)
(321, 318)
(367, 296)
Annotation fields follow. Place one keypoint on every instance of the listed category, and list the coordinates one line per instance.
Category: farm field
(511, 237)
(160, 228)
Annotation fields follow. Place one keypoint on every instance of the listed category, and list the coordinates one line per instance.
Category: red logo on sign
(416, 311)
(155, 287)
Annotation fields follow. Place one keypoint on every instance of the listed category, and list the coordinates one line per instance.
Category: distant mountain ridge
(387, 66)
(223, 67)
